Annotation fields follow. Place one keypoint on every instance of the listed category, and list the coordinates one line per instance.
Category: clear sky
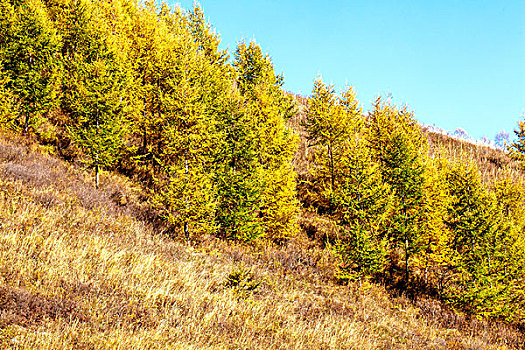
(455, 63)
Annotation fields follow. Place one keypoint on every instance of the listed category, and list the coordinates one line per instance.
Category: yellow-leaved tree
(270, 107)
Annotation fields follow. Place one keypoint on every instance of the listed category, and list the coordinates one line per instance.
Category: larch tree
(8, 109)
(99, 126)
(8, 112)
(510, 257)
(270, 108)
(152, 46)
(477, 240)
(185, 188)
(238, 174)
(30, 60)
(329, 133)
(194, 84)
(435, 251)
(205, 37)
(517, 148)
(399, 147)
(362, 202)
(94, 86)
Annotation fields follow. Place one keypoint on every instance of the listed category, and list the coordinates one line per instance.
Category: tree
(7, 24)
(362, 206)
(270, 107)
(152, 47)
(95, 93)
(517, 148)
(185, 189)
(348, 181)
(398, 145)
(206, 38)
(510, 257)
(238, 174)
(8, 110)
(480, 242)
(435, 250)
(30, 59)
(328, 129)
(502, 139)
(99, 124)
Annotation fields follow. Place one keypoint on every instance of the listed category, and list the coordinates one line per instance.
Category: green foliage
(269, 108)
(517, 148)
(29, 59)
(184, 187)
(399, 147)
(435, 249)
(349, 182)
(242, 281)
(487, 276)
(96, 107)
(363, 204)
(238, 175)
(206, 39)
(8, 112)
(186, 199)
(329, 128)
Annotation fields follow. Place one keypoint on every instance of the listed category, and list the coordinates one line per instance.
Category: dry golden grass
(491, 162)
(83, 269)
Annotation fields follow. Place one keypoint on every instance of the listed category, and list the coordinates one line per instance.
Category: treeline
(144, 89)
(400, 212)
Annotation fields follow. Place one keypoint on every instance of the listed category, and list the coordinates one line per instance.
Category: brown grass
(491, 162)
(79, 269)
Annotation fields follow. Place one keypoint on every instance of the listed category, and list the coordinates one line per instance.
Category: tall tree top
(254, 67)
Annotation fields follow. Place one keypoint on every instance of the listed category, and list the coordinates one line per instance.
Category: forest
(219, 147)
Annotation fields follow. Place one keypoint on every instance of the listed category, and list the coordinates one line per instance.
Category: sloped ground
(85, 269)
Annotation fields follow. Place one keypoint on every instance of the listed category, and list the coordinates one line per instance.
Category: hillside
(85, 269)
(160, 192)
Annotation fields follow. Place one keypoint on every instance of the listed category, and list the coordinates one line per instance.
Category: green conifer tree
(362, 205)
(99, 124)
(478, 240)
(185, 189)
(399, 147)
(152, 46)
(517, 148)
(206, 38)
(7, 24)
(348, 181)
(509, 265)
(29, 50)
(238, 174)
(436, 252)
(8, 110)
(270, 107)
(329, 130)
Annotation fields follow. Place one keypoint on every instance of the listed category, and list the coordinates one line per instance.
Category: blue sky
(455, 63)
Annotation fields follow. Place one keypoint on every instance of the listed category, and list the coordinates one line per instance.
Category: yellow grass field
(88, 269)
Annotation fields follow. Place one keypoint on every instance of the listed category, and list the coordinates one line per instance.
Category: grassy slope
(84, 269)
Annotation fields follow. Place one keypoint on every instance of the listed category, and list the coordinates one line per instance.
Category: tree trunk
(186, 229)
(144, 133)
(406, 260)
(406, 240)
(26, 123)
(97, 172)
